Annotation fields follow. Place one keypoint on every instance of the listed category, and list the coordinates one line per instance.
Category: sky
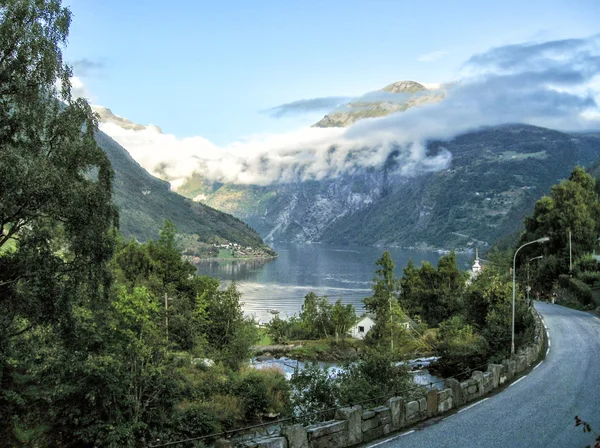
(217, 69)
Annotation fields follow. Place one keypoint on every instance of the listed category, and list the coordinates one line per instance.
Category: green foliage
(433, 294)
(582, 292)
(571, 207)
(284, 330)
(384, 304)
(342, 318)
(460, 347)
(314, 392)
(375, 376)
(316, 316)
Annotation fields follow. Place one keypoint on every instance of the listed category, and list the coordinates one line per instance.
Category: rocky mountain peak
(404, 87)
(107, 116)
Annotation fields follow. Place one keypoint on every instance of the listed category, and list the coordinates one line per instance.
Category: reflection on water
(344, 272)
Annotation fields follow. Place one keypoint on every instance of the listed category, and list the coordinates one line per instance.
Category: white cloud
(551, 84)
(431, 57)
(78, 89)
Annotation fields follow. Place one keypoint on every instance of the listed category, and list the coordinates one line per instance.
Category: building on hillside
(366, 322)
(475, 269)
(362, 327)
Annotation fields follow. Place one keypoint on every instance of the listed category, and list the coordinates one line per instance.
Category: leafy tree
(314, 392)
(342, 318)
(384, 303)
(433, 294)
(56, 212)
(573, 207)
(316, 316)
(229, 333)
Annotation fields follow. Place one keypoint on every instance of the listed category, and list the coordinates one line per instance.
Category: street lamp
(512, 342)
(529, 287)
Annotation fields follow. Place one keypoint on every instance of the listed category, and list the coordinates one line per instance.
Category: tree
(433, 294)
(384, 303)
(316, 315)
(56, 212)
(228, 331)
(342, 317)
(572, 207)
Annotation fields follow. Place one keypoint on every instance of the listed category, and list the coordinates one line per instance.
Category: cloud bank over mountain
(554, 84)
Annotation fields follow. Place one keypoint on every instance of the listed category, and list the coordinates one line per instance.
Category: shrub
(589, 278)
(582, 291)
(263, 391)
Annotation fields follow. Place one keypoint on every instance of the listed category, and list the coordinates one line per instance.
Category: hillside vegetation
(145, 202)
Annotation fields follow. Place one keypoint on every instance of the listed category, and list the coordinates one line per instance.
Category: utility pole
(167, 316)
(391, 322)
(570, 255)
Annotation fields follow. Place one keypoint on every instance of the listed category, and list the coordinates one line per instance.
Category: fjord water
(280, 284)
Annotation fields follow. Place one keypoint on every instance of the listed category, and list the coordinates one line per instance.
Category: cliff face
(495, 177)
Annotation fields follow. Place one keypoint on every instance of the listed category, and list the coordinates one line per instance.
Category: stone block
(353, 415)
(387, 429)
(496, 370)
(454, 385)
(422, 406)
(478, 377)
(273, 442)
(335, 440)
(368, 414)
(367, 425)
(432, 402)
(296, 436)
(326, 428)
(373, 434)
(396, 405)
(521, 363)
(382, 411)
(488, 382)
(412, 411)
(223, 443)
(445, 406)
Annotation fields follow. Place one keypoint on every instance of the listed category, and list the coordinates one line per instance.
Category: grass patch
(265, 338)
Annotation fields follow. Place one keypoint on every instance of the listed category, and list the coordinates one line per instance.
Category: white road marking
(547, 351)
(596, 317)
(539, 364)
(474, 404)
(549, 343)
(522, 378)
(391, 438)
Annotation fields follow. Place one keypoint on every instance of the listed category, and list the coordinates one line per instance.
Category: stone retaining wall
(355, 425)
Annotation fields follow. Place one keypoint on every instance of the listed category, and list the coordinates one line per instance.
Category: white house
(366, 322)
(362, 327)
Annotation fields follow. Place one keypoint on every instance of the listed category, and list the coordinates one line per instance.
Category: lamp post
(512, 341)
(529, 287)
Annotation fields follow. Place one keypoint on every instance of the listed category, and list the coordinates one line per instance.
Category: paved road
(538, 410)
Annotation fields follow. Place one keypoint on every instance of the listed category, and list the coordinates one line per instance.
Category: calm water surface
(342, 272)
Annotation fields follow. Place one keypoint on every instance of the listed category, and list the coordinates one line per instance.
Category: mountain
(494, 179)
(145, 202)
(396, 97)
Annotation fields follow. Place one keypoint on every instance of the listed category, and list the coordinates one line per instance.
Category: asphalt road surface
(539, 409)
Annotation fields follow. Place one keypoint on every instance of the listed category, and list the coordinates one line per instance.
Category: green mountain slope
(145, 202)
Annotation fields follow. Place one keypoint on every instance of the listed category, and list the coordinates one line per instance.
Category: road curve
(539, 410)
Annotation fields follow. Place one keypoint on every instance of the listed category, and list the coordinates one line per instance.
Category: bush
(589, 278)
(582, 291)
(262, 392)
(587, 263)
(460, 347)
